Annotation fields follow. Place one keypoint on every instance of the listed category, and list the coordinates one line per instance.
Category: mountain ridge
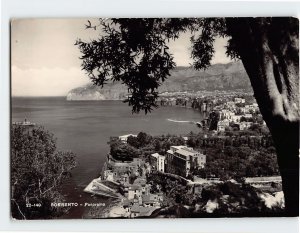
(226, 77)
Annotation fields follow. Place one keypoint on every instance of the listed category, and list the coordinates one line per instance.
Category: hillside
(224, 77)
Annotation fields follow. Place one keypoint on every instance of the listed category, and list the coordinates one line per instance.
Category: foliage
(239, 199)
(214, 119)
(236, 154)
(135, 51)
(141, 140)
(123, 152)
(232, 198)
(145, 144)
(175, 189)
(37, 170)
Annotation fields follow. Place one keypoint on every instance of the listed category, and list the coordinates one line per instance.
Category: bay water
(84, 127)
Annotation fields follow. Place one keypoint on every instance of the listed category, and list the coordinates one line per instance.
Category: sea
(85, 127)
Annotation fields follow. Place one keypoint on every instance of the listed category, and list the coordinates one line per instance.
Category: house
(109, 175)
(230, 104)
(138, 211)
(158, 162)
(226, 114)
(185, 139)
(248, 115)
(236, 118)
(251, 108)
(134, 191)
(239, 100)
(181, 160)
(152, 200)
(245, 125)
(222, 125)
(124, 138)
(137, 189)
(263, 182)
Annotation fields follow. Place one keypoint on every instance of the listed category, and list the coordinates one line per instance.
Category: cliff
(110, 91)
(224, 77)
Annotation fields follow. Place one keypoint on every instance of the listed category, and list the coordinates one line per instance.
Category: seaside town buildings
(158, 162)
(130, 177)
(181, 160)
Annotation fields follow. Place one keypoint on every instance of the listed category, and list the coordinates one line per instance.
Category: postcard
(154, 117)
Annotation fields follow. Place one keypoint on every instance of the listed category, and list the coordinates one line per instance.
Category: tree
(214, 118)
(133, 141)
(37, 171)
(123, 152)
(143, 139)
(135, 52)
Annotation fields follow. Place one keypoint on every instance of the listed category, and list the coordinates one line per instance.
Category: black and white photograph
(124, 118)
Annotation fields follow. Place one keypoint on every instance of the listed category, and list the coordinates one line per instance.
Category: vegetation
(135, 52)
(37, 170)
(235, 155)
(142, 146)
(123, 152)
(238, 162)
(231, 199)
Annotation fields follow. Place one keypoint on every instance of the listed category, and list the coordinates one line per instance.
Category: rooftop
(156, 155)
(142, 210)
(263, 179)
(186, 152)
(134, 187)
(127, 135)
(178, 147)
(150, 198)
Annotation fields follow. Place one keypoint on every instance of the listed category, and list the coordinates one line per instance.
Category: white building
(124, 138)
(222, 125)
(245, 125)
(158, 162)
(109, 175)
(239, 100)
(226, 114)
(181, 160)
(236, 118)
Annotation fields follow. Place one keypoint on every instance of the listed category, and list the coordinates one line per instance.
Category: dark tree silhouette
(135, 52)
(38, 169)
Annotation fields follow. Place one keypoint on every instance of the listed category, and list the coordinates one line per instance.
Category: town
(136, 160)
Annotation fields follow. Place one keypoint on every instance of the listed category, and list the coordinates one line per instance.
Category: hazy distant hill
(229, 76)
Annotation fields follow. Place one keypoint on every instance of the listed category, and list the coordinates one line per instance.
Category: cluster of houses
(179, 160)
(139, 201)
(230, 112)
(137, 198)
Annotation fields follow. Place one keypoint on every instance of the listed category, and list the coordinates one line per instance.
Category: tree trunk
(268, 48)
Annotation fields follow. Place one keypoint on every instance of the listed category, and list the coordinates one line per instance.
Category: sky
(45, 61)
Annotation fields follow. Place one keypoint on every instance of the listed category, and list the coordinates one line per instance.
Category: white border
(125, 8)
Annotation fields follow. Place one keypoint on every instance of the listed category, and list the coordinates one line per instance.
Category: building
(158, 162)
(226, 114)
(151, 200)
(182, 160)
(251, 108)
(136, 190)
(236, 118)
(222, 125)
(239, 100)
(124, 138)
(245, 125)
(263, 182)
(138, 211)
(109, 175)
